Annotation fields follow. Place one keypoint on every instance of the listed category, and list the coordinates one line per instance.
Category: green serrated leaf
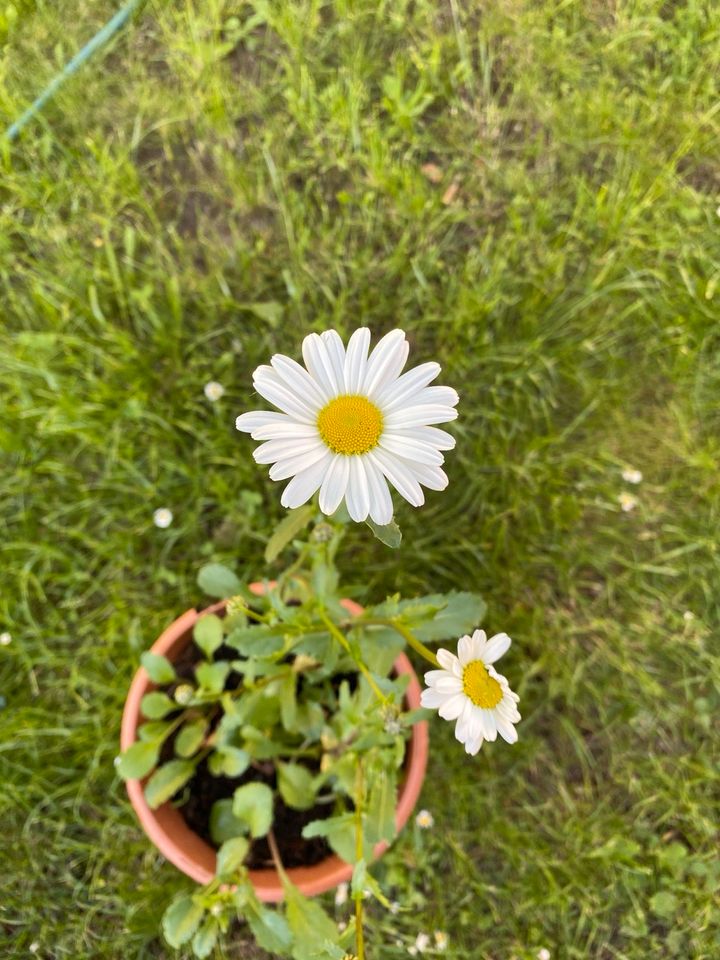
(190, 738)
(157, 705)
(205, 939)
(212, 676)
(224, 825)
(339, 833)
(257, 641)
(208, 633)
(167, 780)
(308, 921)
(296, 785)
(218, 581)
(157, 667)
(253, 803)
(230, 856)
(138, 760)
(269, 928)
(389, 533)
(181, 920)
(288, 528)
(229, 762)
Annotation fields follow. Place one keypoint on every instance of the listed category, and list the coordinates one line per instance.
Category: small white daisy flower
(688, 617)
(543, 954)
(349, 423)
(422, 942)
(441, 940)
(425, 820)
(341, 894)
(213, 390)
(5, 639)
(469, 689)
(163, 518)
(627, 501)
(630, 475)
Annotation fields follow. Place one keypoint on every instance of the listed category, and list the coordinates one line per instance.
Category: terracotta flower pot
(166, 826)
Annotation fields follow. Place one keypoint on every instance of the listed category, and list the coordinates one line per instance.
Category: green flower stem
(412, 641)
(359, 788)
(342, 640)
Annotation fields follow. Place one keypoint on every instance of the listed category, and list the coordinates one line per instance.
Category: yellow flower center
(350, 424)
(480, 687)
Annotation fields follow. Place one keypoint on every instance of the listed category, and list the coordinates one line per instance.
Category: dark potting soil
(204, 790)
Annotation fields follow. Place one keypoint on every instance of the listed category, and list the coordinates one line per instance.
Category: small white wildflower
(394, 907)
(162, 518)
(342, 926)
(688, 617)
(216, 909)
(213, 390)
(631, 475)
(627, 501)
(425, 820)
(543, 954)
(341, 895)
(422, 942)
(5, 639)
(441, 940)
(34, 947)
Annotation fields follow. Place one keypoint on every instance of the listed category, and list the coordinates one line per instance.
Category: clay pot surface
(184, 848)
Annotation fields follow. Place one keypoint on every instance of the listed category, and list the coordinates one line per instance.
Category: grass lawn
(531, 190)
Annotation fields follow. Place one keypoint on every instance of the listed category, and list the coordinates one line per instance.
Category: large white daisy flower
(469, 689)
(349, 422)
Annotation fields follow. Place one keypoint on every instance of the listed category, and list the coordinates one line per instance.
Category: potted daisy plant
(275, 742)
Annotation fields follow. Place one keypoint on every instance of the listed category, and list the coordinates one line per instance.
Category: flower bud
(184, 694)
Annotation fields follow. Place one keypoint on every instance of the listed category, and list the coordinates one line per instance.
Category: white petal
(395, 394)
(419, 416)
(489, 725)
(320, 366)
(432, 699)
(289, 429)
(450, 662)
(398, 475)
(334, 484)
(357, 496)
(433, 676)
(464, 726)
(414, 450)
(291, 465)
(448, 684)
(440, 439)
(298, 379)
(506, 730)
(431, 477)
(336, 355)
(256, 419)
(269, 385)
(385, 363)
(473, 746)
(452, 707)
(304, 484)
(479, 641)
(496, 647)
(465, 650)
(356, 359)
(437, 396)
(284, 449)
(381, 505)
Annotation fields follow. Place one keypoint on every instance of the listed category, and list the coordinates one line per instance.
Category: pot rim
(166, 827)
